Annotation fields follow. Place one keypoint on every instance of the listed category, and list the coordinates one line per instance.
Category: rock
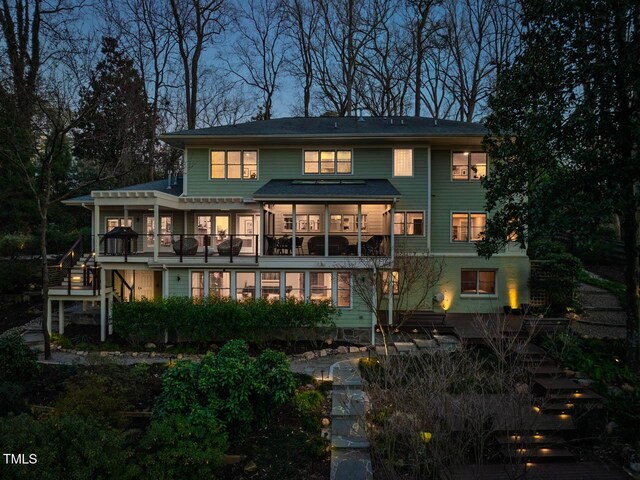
(627, 388)
(585, 382)
(104, 354)
(325, 422)
(232, 459)
(569, 373)
(117, 354)
(152, 354)
(342, 349)
(134, 354)
(522, 388)
(329, 341)
(180, 356)
(325, 433)
(364, 349)
(250, 467)
(168, 346)
(323, 352)
(150, 346)
(354, 350)
(581, 375)
(611, 427)
(309, 355)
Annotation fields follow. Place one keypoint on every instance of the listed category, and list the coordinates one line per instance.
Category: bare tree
(193, 24)
(301, 29)
(258, 56)
(436, 92)
(411, 278)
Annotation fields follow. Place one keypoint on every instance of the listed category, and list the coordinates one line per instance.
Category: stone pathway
(350, 456)
(603, 315)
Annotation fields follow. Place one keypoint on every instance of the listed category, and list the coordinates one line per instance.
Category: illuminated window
(408, 223)
(294, 285)
(468, 227)
(197, 284)
(245, 286)
(220, 284)
(234, 164)
(385, 282)
(320, 283)
(344, 290)
(402, 162)
(327, 162)
(304, 222)
(478, 282)
(468, 165)
(270, 285)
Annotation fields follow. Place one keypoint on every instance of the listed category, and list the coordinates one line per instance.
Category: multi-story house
(275, 208)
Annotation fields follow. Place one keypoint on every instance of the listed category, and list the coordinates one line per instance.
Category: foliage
(618, 289)
(17, 360)
(237, 389)
(16, 276)
(308, 404)
(11, 399)
(216, 318)
(556, 274)
(66, 447)
(189, 447)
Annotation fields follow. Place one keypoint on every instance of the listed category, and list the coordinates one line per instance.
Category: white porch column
(283, 285)
(293, 229)
(307, 286)
(103, 306)
(96, 231)
(156, 229)
(263, 229)
(61, 317)
(232, 285)
(390, 290)
(126, 217)
(49, 316)
(109, 310)
(359, 229)
(185, 220)
(392, 227)
(326, 229)
(374, 302)
(165, 283)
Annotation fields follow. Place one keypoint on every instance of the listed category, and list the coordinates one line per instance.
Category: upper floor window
(408, 223)
(234, 164)
(327, 162)
(468, 227)
(468, 165)
(402, 162)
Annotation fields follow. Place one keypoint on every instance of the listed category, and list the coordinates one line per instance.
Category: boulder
(342, 349)
(326, 422)
(354, 350)
(364, 349)
(150, 346)
(323, 352)
(309, 355)
(250, 467)
(152, 354)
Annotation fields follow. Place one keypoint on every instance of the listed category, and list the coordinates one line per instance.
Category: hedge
(204, 320)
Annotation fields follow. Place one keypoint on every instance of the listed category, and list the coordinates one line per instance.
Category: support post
(165, 283)
(96, 231)
(359, 229)
(263, 228)
(392, 226)
(293, 230)
(326, 229)
(390, 292)
(103, 308)
(61, 317)
(156, 229)
(49, 316)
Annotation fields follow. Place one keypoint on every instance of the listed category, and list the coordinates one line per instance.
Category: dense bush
(17, 275)
(237, 389)
(12, 245)
(17, 361)
(216, 318)
(187, 447)
(308, 404)
(11, 399)
(66, 447)
(58, 242)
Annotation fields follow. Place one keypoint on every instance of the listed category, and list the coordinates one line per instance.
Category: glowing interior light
(536, 409)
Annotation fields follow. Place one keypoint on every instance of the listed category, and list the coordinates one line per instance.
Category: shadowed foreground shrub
(17, 360)
(204, 320)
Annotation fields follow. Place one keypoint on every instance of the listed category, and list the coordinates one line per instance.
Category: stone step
(539, 454)
(586, 396)
(529, 439)
(346, 376)
(352, 427)
(565, 407)
(559, 385)
(348, 403)
(346, 441)
(351, 464)
(606, 308)
(405, 347)
(546, 371)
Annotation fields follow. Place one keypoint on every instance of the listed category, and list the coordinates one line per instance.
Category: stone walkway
(603, 315)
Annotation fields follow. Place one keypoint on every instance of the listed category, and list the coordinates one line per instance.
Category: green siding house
(278, 208)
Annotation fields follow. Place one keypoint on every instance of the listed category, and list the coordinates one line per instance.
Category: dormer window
(234, 164)
(327, 162)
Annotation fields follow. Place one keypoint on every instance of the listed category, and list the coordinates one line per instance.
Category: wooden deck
(536, 471)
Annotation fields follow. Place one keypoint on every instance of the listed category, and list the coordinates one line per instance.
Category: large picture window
(467, 166)
(468, 227)
(220, 284)
(245, 286)
(270, 285)
(478, 282)
(234, 164)
(320, 286)
(327, 162)
(402, 162)
(408, 223)
(294, 285)
(197, 284)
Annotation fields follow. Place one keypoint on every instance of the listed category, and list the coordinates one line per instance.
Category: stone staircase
(603, 315)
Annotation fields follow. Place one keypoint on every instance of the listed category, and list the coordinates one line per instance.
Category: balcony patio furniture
(270, 247)
(299, 243)
(283, 245)
(338, 245)
(189, 246)
(120, 241)
(227, 247)
(373, 246)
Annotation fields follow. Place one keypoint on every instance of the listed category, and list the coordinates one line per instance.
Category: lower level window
(344, 290)
(294, 285)
(219, 284)
(245, 286)
(270, 285)
(320, 286)
(478, 282)
(197, 284)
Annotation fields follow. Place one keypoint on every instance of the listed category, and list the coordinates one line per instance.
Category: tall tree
(564, 132)
(117, 131)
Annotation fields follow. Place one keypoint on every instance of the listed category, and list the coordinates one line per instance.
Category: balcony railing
(336, 244)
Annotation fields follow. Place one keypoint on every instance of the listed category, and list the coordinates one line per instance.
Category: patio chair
(189, 246)
(271, 245)
(230, 247)
(373, 246)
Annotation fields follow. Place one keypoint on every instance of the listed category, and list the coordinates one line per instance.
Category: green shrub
(557, 275)
(308, 405)
(216, 318)
(237, 389)
(13, 245)
(17, 360)
(189, 447)
(11, 399)
(66, 447)
(16, 276)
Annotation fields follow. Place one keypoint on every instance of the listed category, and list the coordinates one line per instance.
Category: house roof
(333, 127)
(158, 186)
(338, 190)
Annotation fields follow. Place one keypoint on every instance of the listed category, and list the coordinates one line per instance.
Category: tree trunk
(631, 272)
(45, 282)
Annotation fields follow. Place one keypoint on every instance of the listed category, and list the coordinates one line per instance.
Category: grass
(618, 289)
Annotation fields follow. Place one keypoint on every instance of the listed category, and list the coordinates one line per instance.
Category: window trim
(405, 212)
(298, 215)
(468, 213)
(480, 295)
(468, 179)
(393, 162)
(335, 150)
(338, 272)
(241, 150)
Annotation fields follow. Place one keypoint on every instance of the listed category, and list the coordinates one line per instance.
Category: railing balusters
(230, 248)
(206, 241)
(255, 245)
(68, 281)
(181, 246)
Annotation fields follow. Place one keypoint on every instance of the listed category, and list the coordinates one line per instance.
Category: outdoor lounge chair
(189, 246)
(230, 247)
